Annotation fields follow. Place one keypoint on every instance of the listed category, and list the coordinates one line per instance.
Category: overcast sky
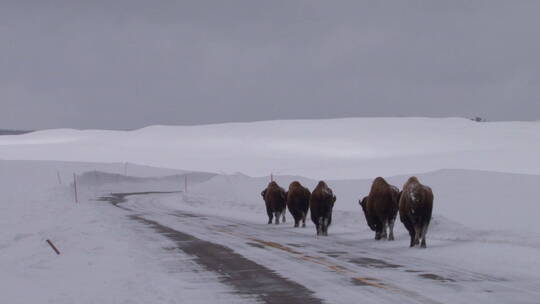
(125, 64)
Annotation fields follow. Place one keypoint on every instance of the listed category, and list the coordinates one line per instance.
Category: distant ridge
(13, 132)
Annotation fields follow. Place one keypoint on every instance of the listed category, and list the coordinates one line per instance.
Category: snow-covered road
(334, 269)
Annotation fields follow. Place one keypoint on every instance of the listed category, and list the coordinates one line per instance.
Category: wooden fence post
(75, 184)
(185, 183)
(58, 176)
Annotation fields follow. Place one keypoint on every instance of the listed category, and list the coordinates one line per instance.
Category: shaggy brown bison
(321, 203)
(380, 208)
(298, 202)
(275, 200)
(415, 207)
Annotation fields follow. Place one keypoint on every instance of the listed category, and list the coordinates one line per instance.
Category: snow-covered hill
(329, 149)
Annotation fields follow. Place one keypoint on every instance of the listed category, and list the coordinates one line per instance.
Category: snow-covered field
(483, 244)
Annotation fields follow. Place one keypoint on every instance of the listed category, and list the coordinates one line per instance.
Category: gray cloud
(127, 64)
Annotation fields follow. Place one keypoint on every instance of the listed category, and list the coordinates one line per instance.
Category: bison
(298, 202)
(321, 203)
(415, 207)
(275, 200)
(380, 208)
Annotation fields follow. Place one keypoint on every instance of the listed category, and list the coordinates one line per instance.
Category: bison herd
(381, 206)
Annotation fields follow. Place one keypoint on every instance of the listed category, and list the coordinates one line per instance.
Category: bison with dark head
(380, 208)
(275, 200)
(415, 207)
(298, 202)
(321, 204)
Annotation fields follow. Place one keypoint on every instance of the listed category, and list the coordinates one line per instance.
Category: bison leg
(417, 234)
(423, 235)
(406, 222)
(391, 229)
(283, 215)
(320, 226)
(378, 230)
(325, 227)
(384, 227)
(303, 219)
(270, 215)
(412, 234)
(410, 228)
(277, 215)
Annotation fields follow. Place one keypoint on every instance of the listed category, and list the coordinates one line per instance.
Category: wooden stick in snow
(53, 247)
